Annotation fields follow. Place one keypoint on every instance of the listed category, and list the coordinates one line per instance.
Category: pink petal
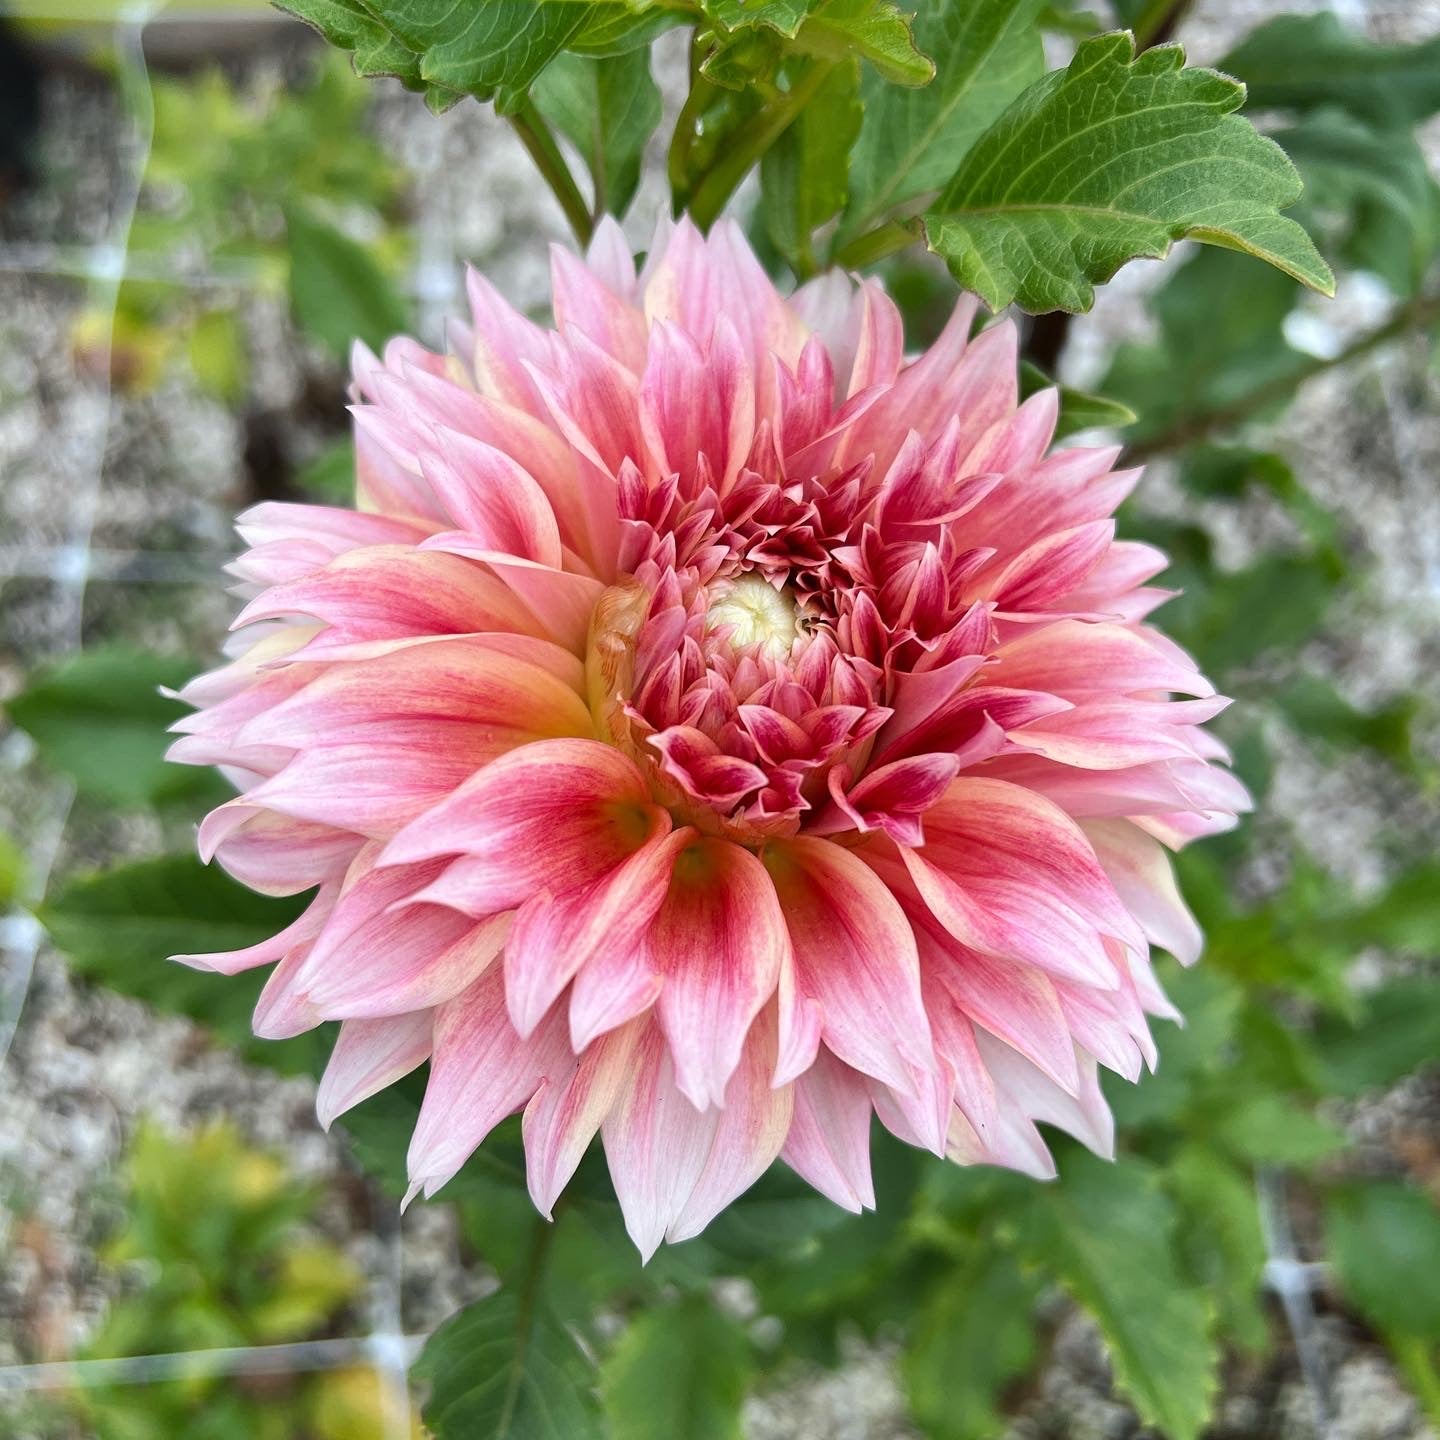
(1077, 659)
(1086, 1116)
(656, 1143)
(283, 1011)
(487, 494)
(560, 600)
(368, 1056)
(567, 1110)
(828, 1144)
(557, 936)
(855, 959)
(615, 986)
(480, 1072)
(426, 695)
(748, 1134)
(554, 815)
(1142, 875)
(1016, 1002)
(717, 940)
(392, 592)
(1009, 873)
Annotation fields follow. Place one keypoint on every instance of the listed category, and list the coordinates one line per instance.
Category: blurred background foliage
(211, 1239)
(1310, 995)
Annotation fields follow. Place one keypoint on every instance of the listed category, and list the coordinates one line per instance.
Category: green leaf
(680, 1372)
(1107, 1230)
(101, 719)
(217, 355)
(1269, 1129)
(1384, 1240)
(986, 52)
(619, 29)
(1064, 17)
(1311, 62)
(875, 30)
(493, 51)
(374, 51)
(1078, 410)
(1221, 1239)
(1115, 157)
(609, 108)
(1396, 1033)
(785, 17)
(1406, 916)
(973, 1336)
(1220, 319)
(1317, 709)
(338, 292)
(330, 476)
(504, 1369)
(118, 927)
(13, 872)
(1368, 196)
(1216, 472)
(779, 1215)
(802, 176)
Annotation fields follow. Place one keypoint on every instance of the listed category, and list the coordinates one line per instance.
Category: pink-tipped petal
(480, 1072)
(656, 1143)
(1142, 875)
(567, 1110)
(556, 936)
(554, 815)
(829, 1140)
(718, 941)
(368, 1056)
(748, 1134)
(855, 959)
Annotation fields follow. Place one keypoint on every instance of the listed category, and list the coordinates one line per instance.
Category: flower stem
(535, 136)
(1413, 1356)
(1158, 21)
(687, 128)
(1416, 314)
(751, 142)
(876, 244)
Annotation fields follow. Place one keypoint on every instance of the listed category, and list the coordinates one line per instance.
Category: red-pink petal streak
(709, 731)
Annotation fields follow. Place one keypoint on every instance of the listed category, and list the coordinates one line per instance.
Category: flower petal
(855, 958)
(828, 1143)
(368, 1056)
(556, 936)
(718, 940)
(553, 815)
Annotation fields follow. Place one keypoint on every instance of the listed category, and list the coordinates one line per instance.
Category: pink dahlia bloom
(710, 728)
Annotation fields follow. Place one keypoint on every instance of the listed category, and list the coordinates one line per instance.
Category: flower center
(754, 612)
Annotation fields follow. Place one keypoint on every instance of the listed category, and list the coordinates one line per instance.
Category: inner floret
(750, 610)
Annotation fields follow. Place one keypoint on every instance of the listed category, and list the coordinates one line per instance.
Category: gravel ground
(87, 1065)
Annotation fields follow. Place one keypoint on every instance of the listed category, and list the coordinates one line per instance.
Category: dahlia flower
(710, 728)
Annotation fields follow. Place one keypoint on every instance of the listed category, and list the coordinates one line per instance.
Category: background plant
(216, 1247)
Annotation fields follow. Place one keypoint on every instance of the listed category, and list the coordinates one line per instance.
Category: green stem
(687, 127)
(876, 244)
(535, 136)
(751, 142)
(1417, 1364)
(1158, 21)
(1422, 311)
